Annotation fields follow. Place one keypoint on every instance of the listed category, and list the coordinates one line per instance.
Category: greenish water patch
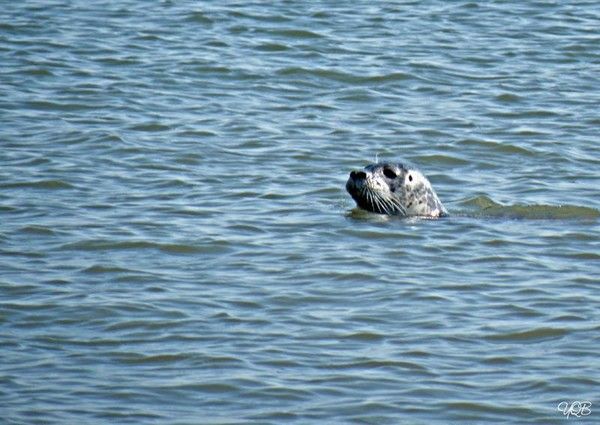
(41, 184)
(102, 269)
(482, 206)
(200, 17)
(46, 105)
(150, 127)
(296, 33)
(508, 97)
(496, 146)
(137, 245)
(38, 72)
(529, 335)
(272, 47)
(343, 77)
(442, 159)
(37, 230)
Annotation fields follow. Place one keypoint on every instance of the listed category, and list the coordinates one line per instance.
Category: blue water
(176, 245)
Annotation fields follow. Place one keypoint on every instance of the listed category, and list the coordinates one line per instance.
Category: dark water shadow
(482, 206)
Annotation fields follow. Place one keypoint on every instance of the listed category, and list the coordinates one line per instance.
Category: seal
(394, 189)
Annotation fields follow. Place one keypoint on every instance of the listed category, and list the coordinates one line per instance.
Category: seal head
(394, 189)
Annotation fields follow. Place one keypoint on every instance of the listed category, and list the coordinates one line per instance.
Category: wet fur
(394, 189)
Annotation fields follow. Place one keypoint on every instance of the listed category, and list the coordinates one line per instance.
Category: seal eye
(389, 173)
(409, 178)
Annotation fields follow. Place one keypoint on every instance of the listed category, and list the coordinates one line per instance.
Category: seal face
(394, 189)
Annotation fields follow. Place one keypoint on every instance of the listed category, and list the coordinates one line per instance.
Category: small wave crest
(482, 206)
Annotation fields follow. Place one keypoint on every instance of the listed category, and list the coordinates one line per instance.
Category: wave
(482, 206)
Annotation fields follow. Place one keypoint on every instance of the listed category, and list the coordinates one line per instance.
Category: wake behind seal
(394, 189)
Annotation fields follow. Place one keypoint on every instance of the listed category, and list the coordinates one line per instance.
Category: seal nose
(358, 175)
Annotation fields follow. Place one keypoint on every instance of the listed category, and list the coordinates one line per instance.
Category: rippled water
(176, 245)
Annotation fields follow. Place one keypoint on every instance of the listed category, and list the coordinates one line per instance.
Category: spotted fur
(394, 189)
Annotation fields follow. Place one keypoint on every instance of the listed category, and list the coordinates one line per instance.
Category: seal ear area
(410, 176)
(413, 177)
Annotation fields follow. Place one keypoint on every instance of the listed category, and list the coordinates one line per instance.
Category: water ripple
(177, 245)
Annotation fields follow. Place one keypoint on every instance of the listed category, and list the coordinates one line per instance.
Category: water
(176, 245)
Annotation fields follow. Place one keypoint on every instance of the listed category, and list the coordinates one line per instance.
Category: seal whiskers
(394, 189)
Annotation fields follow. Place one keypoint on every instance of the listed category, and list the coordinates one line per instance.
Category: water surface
(176, 245)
